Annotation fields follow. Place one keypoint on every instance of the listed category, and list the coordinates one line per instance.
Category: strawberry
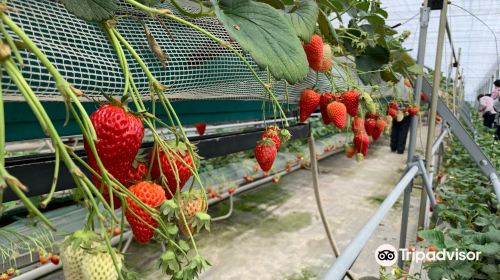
(150, 194)
(231, 190)
(413, 111)
(265, 153)
(4, 276)
(337, 112)
(98, 264)
(358, 125)
(407, 83)
(324, 100)
(273, 135)
(432, 248)
(11, 271)
(54, 259)
(400, 116)
(392, 112)
(248, 179)
(361, 142)
(411, 249)
(200, 128)
(190, 204)
(119, 172)
(438, 199)
(380, 125)
(119, 135)
(43, 260)
(276, 179)
(393, 105)
(138, 173)
(309, 101)
(370, 126)
(350, 151)
(326, 62)
(351, 102)
(170, 165)
(419, 238)
(314, 52)
(376, 134)
(423, 97)
(116, 232)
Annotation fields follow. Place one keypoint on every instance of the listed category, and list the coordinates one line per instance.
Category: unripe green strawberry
(265, 153)
(98, 264)
(337, 113)
(309, 101)
(150, 194)
(314, 52)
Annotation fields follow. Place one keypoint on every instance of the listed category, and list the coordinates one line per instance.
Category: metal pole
(496, 185)
(424, 23)
(433, 109)
(315, 180)
(456, 82)
(352, 251)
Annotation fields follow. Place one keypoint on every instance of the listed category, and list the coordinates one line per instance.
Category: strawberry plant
(467, 218)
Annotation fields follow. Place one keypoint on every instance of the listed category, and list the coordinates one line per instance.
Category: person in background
(487, 110)
(496, 91)
(496, 106)
(399, 131)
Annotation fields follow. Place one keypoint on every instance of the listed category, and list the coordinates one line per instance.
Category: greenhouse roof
(468, 33)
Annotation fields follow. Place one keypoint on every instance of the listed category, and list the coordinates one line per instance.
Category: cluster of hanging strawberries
(119, 137)
(267, 148)
(398, 114)
(336, 108)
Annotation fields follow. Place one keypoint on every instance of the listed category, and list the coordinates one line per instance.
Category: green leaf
(374, 58)
(150, 3)
(435, 237)
(416, 69)
(488, 249)
(303, 19)
(278, 4)
(435, 273)
(267, 36)
(327, 29)
(91, 10)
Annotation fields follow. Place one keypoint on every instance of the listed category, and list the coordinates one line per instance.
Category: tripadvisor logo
(387, 255)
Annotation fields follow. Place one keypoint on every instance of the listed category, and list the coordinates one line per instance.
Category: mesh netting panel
(198, 68)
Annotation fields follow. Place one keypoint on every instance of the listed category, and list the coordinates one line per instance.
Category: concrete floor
(276, 232)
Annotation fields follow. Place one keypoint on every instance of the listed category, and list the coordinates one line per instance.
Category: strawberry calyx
(266, 142)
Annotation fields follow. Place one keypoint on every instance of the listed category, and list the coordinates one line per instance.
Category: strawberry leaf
(267, 35)
(303, 18)
(91, 10)
(170, 209)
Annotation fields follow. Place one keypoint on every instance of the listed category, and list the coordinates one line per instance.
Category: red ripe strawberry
(265, 153)
(200, 127)
(423, 97)
(361, 142)
(324, 100)
(413, 111)
(376, 134)
(337, 112)
(273, 135)
(392, 112)
(351, 102)
(119, 172)
(393, 105)
(370, 125)
(138, 173)
(231, 190)
(350, 151)
(170, 163)
(380, 125)
(150, 194)
(54, 259)
(358, 125)
(314, 52)
(309, 101)
(372, 116)
(119, 135)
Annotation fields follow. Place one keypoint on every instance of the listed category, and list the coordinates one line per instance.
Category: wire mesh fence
(198, 68)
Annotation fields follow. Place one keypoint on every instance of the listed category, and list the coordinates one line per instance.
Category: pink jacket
(486, 105)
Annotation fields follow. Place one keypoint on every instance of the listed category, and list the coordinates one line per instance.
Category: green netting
(198, 68)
